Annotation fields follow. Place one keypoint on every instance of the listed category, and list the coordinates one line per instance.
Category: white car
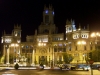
(86, 67)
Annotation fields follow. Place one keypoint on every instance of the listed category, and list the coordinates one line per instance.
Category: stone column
(62, 58)
(53, 56)
(7, 56)
(33, 57)
(57, 57)
(81, 57)
(4, 52)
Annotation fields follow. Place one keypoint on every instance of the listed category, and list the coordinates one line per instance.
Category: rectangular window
(90, 47)
(23, 50)
(64, 49)
(60, 50)
(55, 49)
(69, 48)
(31, 50)
(27, 51)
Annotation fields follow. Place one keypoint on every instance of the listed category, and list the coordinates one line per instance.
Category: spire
(79, 26)
(67, 21)
(20, 26)
(44, 6)
(88, 27)
(12, 33)
(84, 27)
(73, 22)
(50, 31)
(35, 32)
(50, 6)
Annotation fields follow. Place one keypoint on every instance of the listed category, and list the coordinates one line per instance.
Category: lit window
(60, 44)
(26, 46)
(8, 40)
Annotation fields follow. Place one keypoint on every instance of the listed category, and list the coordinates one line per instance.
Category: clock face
(46, 11)
(53, 12)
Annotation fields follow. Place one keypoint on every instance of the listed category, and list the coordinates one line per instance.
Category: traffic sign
(91, 61)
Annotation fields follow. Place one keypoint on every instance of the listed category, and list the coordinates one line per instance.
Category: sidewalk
(2, 68)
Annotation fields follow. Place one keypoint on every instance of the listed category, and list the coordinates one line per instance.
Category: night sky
(28, 13)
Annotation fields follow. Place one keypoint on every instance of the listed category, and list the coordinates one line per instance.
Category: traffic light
(90, 55)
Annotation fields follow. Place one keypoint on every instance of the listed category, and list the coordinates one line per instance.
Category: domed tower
(70, 26)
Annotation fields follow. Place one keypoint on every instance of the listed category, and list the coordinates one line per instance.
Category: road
(47, 72)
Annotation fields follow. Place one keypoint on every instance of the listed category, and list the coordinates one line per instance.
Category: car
(73, 67)
(83, 67)
(65, 67)
(86, 67)
(98, 67)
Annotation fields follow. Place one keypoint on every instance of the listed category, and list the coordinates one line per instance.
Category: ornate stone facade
(47, 45)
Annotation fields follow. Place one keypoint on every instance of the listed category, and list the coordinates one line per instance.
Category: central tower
(48, 26)
(48, 15)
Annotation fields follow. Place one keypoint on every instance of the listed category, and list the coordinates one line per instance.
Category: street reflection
(9, 74)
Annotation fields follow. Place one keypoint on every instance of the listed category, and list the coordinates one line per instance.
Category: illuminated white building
(47, 45)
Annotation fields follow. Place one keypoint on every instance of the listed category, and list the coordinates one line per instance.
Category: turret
(70, 26)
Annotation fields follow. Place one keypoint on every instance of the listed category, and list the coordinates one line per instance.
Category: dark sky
(28, 13)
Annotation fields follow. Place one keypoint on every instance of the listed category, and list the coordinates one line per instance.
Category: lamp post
(91, 62)
(81, 50)
(96, 35)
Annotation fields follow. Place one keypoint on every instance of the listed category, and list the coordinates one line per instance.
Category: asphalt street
(46, 72)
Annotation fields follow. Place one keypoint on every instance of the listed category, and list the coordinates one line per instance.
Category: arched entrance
(43, 59)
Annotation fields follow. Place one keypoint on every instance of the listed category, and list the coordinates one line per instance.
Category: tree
(67, 58)
(96, 55)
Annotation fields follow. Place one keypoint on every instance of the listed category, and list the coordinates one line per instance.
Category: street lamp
(96, 35)
(81, 52)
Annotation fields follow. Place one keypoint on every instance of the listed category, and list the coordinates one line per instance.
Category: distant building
(47, 45)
